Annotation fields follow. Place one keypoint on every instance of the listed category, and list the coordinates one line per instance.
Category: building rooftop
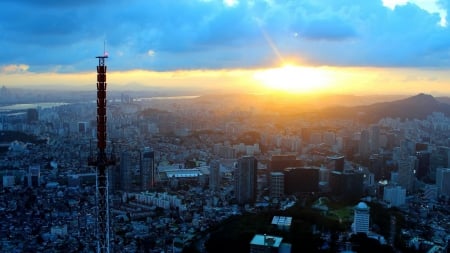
(266, 240)
(276, 173)
(281, 220)
(335, 157)
(183, 173)
(362, 205)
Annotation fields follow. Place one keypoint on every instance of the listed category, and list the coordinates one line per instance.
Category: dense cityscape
(189, 168)
(218, 126)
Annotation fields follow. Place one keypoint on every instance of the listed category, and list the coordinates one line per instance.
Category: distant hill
(287, 108)
(445, 100)
(419, 107)
(285, 103)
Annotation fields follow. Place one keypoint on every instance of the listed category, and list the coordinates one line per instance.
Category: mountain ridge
(418, 106)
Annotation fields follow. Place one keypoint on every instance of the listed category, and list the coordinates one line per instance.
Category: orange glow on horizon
(286, 79)
(296, 79)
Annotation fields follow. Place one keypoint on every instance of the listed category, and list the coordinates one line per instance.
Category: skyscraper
(439, 158)
(276, 184)
(406, 168)
(423, 167)
(214, 176)
(125, 172)
(245, 180)
(347, 185)
(443, 181)
(394, 195)
(364, 145)
(281, 162)
(376, 166)
(147, 169)
(361, 218)
(374, 138)
(301, 179)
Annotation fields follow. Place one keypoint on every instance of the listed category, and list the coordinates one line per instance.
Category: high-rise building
(407, 146)
(443, 181)
(114, 179)
(281, 162)
(376, 166)
(245, 180)
(374, 138)
(147, 169)
(394, 195)
(214, 176)
(439, 158)
(430, 192)
(224, 151)
(406, 168)
(125, 172)
(361, 218)
(299, 180)
(347, 185)
(364, 145)
(349, 147)
(276, 184)
(423, 166)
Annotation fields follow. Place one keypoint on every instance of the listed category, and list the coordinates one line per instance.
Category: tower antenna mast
(102, 161)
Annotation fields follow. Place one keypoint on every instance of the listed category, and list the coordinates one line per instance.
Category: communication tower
(102, 161)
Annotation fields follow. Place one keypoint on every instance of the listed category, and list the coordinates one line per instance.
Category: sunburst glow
(295, 79)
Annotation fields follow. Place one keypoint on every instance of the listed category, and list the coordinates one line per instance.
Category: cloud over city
(169, 35)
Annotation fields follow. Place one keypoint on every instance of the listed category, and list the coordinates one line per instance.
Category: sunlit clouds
(290, 79)
(331, 46)
(231, 3)
(14, 68)
(431, 6)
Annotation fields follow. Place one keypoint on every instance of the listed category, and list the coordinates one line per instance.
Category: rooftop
(281, 220)
(266, 240)
(183, 173)
(362, 205)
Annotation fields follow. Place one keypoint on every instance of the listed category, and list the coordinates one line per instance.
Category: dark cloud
(66, 35)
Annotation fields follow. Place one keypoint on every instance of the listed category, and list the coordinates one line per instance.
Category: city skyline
(370, 47)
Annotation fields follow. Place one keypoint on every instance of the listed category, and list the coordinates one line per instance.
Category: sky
(343, 46)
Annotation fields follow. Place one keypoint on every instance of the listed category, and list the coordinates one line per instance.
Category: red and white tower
(102, 162)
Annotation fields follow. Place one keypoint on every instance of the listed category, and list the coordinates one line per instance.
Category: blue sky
(64, 36)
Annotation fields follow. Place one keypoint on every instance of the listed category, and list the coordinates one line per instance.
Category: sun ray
(295, 79)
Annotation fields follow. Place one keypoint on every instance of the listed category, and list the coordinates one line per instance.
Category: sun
(294, 79)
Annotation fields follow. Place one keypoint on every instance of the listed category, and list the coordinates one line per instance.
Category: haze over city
(210, 126)
(351, 47)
